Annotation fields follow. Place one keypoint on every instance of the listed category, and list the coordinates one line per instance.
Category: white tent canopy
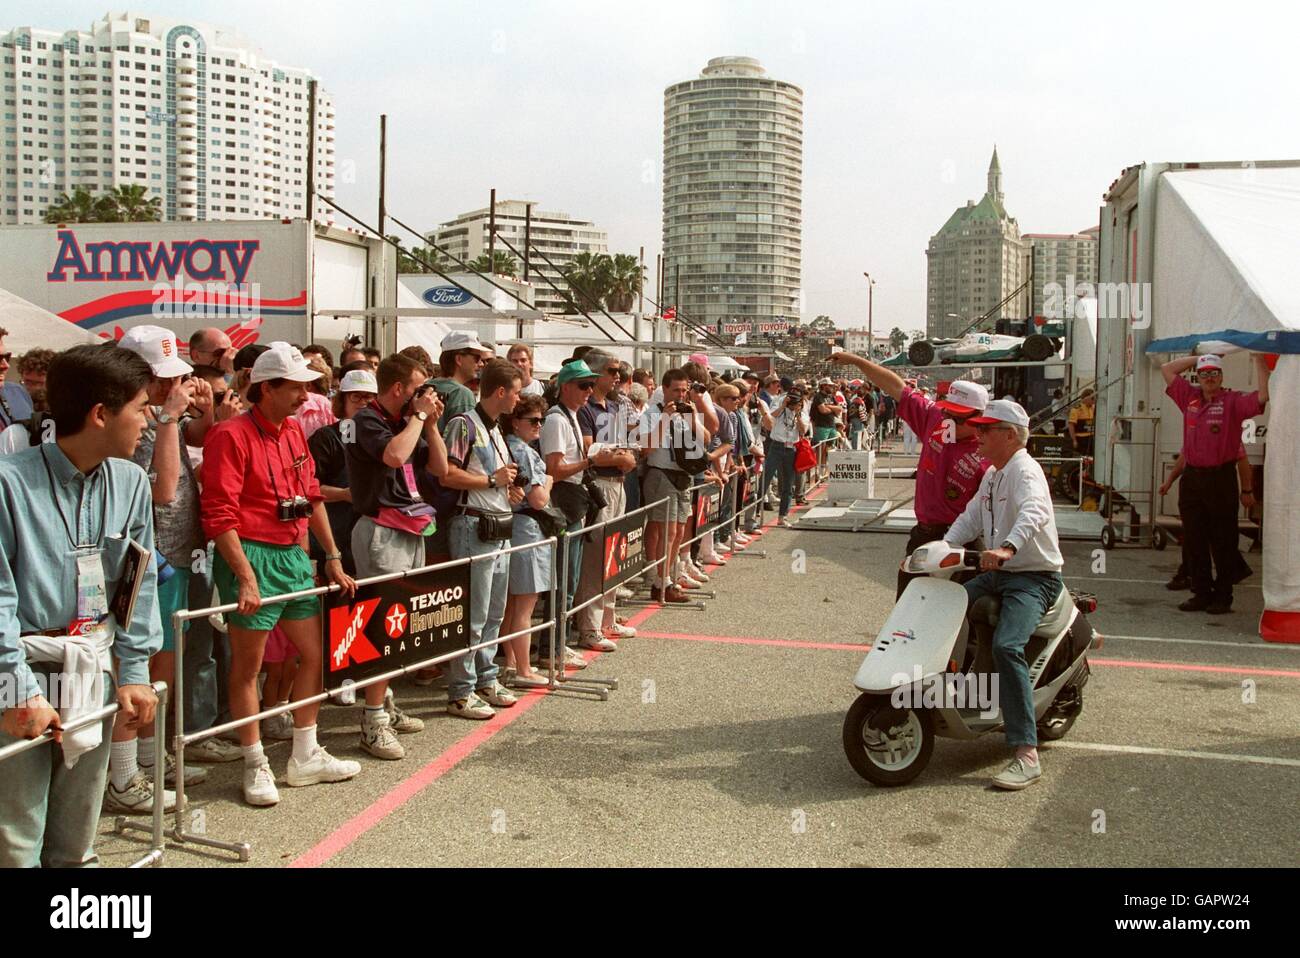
(1225, 260)
(31, 327)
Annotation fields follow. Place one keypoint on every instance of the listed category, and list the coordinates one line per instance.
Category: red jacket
(248, 466)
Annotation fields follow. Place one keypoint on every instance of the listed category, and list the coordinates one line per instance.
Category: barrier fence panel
(372, 668)
(155, 855)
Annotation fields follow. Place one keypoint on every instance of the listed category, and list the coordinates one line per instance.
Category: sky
(561, 103)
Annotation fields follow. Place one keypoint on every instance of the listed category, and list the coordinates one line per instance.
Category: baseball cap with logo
(1209, 361)
(359, 381)
(157, 347)
(1002, 411)
(283, 361)
(964, 398)
(455, 342)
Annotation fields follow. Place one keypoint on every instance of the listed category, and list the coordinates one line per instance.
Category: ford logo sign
(446, 296)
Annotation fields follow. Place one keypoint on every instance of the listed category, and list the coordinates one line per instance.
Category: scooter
(930, 672)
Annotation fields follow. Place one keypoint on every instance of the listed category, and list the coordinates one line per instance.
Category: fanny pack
(681, 481)
(493, 526)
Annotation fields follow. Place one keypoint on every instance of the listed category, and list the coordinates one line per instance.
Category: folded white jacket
(85, 659)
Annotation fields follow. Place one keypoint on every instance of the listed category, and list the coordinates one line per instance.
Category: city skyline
(902, 108)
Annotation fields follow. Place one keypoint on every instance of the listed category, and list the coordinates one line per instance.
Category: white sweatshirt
(1013, 504)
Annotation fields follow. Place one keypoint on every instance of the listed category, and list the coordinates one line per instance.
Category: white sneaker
(724, 546)
(137, 797)
(259, 785)
(620, 631)
(278, 728)
(496, 694)
(623, 592)
(696, 573)
(213, 750)
(378, 738)
(193, 773)
(596, 641)
(321, 767)
(742, 539)
(573, 659)
(686, 583)
(470, 708)
(786, 523)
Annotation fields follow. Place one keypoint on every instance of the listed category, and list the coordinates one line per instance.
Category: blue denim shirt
(38, 567)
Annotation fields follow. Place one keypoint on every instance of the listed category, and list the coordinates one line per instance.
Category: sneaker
(496, 694)
(533, 681)
(1019, 774)
(672, 594)
(426, 677)
(321, 767)
(1219, 608)
(213, 750)
(686, 583)
(399, 721)
(741, 539)
(1180, 583)
(1197, 603)
(259, 785)
(696, 573)
(573, 659)
(596, 641)
(378, 739)
(786, 523)
(623, 592)
(470, 708)
(137, 797)
(278, 728)
(193, 774)
(619, 631)
(724, 547)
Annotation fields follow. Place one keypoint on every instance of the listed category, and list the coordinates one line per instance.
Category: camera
(290, 510)
(683, 407)
(699, 388)
(520, 480)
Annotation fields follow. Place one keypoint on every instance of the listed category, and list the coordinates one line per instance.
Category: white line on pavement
(1270, 646)
(1106, 578)
(1180, 753)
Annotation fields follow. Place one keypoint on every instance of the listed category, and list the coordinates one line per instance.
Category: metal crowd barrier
(178, 832)
(155, 855)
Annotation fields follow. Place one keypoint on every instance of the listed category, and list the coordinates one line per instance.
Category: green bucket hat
(575, 371)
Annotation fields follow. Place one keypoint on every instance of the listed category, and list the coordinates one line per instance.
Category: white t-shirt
(561, 436)
(534, 388)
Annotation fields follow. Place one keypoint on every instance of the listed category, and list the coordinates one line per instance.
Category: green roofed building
(974, 262)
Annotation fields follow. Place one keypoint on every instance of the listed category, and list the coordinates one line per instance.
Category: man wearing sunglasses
(210, 346)
(15, 403)
(1013, 507)
(460, 361)
(950, 467)
(1207, 493)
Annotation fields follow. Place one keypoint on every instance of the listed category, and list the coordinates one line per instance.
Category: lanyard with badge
(92, 594)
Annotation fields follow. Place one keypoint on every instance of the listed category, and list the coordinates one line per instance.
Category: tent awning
(31, 327)
(1224, 268)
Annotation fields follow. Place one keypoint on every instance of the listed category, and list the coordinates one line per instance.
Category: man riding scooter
(1013, 507)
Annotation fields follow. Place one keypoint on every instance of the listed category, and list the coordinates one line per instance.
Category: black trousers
(922, 533)
(1207, 500)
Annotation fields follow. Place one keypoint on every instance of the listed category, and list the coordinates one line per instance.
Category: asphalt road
(721, 746)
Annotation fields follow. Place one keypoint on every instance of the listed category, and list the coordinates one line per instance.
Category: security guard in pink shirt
(1208, 494)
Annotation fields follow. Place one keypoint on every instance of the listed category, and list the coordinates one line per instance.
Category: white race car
(983, 347)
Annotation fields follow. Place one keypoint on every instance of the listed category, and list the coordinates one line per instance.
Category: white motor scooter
(931, 673)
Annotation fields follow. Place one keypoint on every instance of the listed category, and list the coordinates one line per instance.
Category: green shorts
(278, 570)
(173, 595)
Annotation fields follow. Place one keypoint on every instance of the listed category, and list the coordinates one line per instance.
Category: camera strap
(270, 472)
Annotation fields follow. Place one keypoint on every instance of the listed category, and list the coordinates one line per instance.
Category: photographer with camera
(790, 423)
(260, 494)
(393, 436)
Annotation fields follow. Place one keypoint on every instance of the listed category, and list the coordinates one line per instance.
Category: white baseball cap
(964, 398)
(1002, 410)
(1209, 361)
(359, 381)
(455, 342)
(283, 361)
(159, 348)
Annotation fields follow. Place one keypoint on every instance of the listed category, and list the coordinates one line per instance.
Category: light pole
(871, 339)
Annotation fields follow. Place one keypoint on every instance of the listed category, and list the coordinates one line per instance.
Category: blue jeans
(779, 463)
(204, 667)
(1026, 596)
(488, 583)
(573, 569)
(49, 813)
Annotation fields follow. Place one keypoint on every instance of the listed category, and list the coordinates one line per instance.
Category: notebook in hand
(128, 587)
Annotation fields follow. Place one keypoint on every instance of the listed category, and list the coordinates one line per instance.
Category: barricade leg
(560, 612)
(155, 828)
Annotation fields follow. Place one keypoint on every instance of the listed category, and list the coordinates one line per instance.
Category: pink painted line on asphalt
(739, 640)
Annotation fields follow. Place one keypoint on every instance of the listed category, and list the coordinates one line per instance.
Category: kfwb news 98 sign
(387, 625)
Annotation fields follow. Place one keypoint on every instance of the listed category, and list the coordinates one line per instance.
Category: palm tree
(502, 264)
(897, 340)
(411, 262)
(132, 204)
(79, 207)
(590, 277)
(627, 276)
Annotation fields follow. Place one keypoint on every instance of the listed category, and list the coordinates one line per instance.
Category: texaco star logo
(395, 621)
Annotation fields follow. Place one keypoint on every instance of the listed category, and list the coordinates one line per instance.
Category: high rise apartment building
(194, 113)
(1056, 257)
(733, 195)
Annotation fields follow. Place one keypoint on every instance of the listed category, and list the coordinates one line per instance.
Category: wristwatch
(164, 418)
(334, 557)
(1008, 545)
(492, 481)
(422, 415)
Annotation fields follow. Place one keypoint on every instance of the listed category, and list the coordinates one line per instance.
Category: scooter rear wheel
(1059, 718)
(887, 746)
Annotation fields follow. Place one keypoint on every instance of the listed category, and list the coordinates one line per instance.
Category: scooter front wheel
(886, 745)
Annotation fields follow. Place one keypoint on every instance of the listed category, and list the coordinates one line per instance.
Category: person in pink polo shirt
(951, 467)
(1208, 494)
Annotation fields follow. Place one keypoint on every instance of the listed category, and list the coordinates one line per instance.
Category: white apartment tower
(195, 113)
(558, 235)
(733, 189)
(1059, 258)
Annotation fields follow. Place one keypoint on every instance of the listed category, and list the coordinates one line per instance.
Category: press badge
(92, 595)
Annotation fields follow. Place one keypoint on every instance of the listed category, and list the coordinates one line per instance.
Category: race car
(985, 347)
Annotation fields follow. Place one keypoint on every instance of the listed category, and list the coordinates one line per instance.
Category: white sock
(253, 755)
(371, 715)
(304, 743)
(145, 752)
(122, 766)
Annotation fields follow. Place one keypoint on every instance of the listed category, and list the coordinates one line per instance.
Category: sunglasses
(6, 357)
(586, 386)
(531, 420)
(1203, 374)
(478, 357)
(616, 373)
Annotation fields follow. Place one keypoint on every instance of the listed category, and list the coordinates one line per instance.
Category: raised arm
(878, 375)
(1176, 367)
